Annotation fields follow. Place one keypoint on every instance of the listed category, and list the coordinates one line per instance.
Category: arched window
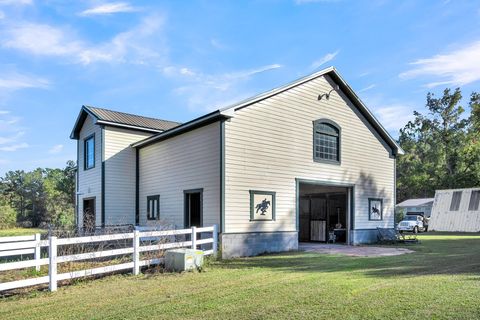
(326, 141)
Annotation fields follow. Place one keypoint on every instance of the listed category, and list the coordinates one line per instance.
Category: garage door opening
(323, 213)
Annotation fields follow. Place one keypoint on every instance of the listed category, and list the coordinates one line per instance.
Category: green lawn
(441, 280)
(20, 232)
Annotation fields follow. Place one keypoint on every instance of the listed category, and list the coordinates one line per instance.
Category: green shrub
(8, 217)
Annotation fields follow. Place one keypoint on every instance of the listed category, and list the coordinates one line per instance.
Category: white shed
(419, 206)
(456, 210)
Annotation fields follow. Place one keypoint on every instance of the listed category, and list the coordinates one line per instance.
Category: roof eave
(82, 115)
(183, 128)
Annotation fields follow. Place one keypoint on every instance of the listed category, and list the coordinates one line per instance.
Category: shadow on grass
(433, 256)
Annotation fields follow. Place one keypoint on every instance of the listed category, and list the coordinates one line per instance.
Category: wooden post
(37, 253)
(194, 238)
(52, 263)
(136, 252)
(215, 240)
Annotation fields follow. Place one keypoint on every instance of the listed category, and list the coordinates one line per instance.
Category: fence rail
(15, 246)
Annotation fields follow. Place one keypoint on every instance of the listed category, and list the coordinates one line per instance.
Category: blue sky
(179, 59)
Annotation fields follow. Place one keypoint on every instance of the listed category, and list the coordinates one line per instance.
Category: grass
(441, 280)
(20, 232)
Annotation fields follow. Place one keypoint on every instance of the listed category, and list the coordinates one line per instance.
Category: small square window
(153, 207)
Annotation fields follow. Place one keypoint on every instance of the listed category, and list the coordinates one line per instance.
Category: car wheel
(415, 229)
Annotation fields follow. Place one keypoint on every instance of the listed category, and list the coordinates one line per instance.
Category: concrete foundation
(255, 243)
(364, 236)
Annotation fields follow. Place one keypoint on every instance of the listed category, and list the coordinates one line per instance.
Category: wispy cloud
(458, 67)
(14, 147)
(56, 149)
(109, 8)
(326, 58)
(367, 88)
(132, 46)
(15, 2)
(12, 138)
(17, 81)
(394, 116)
(11, 132)
(209, 91)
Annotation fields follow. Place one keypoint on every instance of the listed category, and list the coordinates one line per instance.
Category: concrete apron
(352, 251)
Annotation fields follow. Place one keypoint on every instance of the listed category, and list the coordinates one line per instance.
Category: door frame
(94, 211)
(186, 215)
(350, 201)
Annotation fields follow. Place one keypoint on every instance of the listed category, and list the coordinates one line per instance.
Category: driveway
(353, 251)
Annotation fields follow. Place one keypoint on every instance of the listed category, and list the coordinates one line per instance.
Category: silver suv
(412, 223)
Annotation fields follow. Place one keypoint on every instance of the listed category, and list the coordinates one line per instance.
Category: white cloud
(3, 112)
(459, 67)
(16, 81)
(326, 58)
(41, 39)
(367, 88)
(14, 147)
(15, 2)
(2, 15)
(132, 46)
(394, 116)
(109, 8)
(210, 91)
(56, 149)
(12, 138)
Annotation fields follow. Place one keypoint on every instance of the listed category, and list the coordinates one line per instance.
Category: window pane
(474, 200)
(456, 198)
(326, 128)
(89, 153)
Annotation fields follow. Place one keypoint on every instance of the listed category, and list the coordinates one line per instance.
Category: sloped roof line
(415, 202)
(121, 119)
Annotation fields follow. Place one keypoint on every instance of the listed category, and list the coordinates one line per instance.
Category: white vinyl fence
(15, 246)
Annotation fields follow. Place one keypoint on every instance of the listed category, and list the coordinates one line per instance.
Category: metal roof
(416, 202)
(121, 119)
(229, 111)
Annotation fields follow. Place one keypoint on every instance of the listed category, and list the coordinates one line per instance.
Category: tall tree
(442, 147)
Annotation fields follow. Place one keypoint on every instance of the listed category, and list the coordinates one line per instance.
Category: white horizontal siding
(187, 161)
(269, 144)
(90, 181)
(463, 220)
(120, 175)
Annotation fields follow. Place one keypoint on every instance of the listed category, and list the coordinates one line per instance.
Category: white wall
(269, 144)
(120, 163)
(89, 181)
(187, 161)
(443, 219)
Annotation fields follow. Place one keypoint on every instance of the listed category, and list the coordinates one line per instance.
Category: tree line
(442, 147)
(38, 198)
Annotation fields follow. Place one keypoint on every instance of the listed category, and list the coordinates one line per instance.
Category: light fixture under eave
(327, 95)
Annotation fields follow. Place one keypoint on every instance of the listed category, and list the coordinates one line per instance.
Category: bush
(8, 217)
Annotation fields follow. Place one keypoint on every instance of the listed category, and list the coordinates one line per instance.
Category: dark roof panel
(131, 119)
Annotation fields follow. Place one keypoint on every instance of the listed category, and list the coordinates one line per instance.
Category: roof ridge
(128, 114)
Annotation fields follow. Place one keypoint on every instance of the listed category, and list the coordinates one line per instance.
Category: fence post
(215, 240)
(36, 254)
(194, 238)
(136, 252)
(52, 263)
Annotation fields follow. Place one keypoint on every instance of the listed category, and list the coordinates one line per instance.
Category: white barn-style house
(296, 163)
